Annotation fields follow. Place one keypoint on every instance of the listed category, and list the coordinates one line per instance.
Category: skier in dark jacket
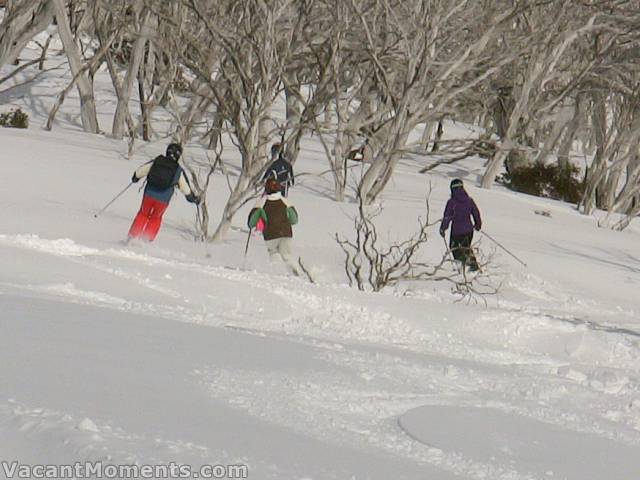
(459, 212)
(280, 169)
(163, 175)
(278, 216)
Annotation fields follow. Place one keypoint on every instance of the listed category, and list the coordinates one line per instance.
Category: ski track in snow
(531, 361)
(83, 439)
(322, 316)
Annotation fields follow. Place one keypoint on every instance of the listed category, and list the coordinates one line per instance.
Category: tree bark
(137, 56)
(22, 21)
(85, 87)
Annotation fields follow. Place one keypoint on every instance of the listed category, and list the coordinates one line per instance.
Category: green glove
(255, 215)
(292, 215)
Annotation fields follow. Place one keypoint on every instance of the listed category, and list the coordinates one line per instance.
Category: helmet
(174, 150)
(276, 149)
(457, 183)
(271, 186)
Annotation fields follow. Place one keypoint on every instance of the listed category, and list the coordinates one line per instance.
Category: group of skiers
(273, 214)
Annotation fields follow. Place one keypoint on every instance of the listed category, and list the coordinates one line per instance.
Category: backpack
(162, 173)
(280, 171)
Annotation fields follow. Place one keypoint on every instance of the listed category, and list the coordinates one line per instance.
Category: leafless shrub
(476, 287)
(371, 264)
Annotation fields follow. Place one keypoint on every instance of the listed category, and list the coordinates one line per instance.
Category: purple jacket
(459, 210)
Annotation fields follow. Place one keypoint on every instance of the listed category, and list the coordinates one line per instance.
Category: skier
(163, 175)
(278, 216)
(280, 169)
(459, 211)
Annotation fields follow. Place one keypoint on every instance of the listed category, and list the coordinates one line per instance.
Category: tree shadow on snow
(591, 325)
(631, 264)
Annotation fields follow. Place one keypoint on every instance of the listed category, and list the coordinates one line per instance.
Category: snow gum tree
(546, 81)
(424, 55)
(237, 51)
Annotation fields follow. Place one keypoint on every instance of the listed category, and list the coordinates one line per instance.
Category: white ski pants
(283, 247)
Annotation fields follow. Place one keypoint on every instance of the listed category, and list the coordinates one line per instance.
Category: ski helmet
(271, 186)
(276, 149)
(457, 183)
(174, 150)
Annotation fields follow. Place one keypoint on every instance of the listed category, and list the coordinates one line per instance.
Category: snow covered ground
(171, 353)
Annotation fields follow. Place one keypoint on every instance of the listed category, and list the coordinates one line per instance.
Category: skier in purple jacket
(459, 211)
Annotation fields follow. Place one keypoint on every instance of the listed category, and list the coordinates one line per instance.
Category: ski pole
(113, 200)
(199, 223)
(502, 247)
(452, 259)
(246, 247)
(446, 246)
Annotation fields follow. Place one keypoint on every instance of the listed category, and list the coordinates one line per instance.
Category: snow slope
(178, 351)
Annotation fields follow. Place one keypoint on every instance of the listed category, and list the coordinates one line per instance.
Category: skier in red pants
(163, 175)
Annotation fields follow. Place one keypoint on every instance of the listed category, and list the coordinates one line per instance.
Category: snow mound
(62, 246)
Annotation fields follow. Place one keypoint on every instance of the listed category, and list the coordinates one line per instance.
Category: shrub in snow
(14, 119)
(371, 264)
(546, 180)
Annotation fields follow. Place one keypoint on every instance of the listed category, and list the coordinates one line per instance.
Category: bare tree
(551, 79)
(421, 61)
(335, 90)
(541, 84)
(144, 23)
(613, 176)
(81, 79)
(23, 20)
(242, 83)
(613, 179)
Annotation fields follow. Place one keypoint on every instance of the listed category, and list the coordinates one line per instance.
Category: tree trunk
(597, 170)
(439, 133)
(564, 152)
(427, 135)
(19, 25)
(215, 133)
(339, 166)
(137, 56)
(386, 158)
(45, 49)
(85, 87)
(199, 102)
(145, 90)
(252, 164)
(231, 207)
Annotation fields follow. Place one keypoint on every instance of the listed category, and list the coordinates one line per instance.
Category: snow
(486, 436)
(184, 352)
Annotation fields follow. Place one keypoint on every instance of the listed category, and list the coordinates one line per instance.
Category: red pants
(148, 220)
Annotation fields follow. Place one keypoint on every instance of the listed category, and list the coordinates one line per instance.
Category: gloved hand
(477, 226)
(442, 232)
(193, 198)
(134, 179)
(255, 215)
